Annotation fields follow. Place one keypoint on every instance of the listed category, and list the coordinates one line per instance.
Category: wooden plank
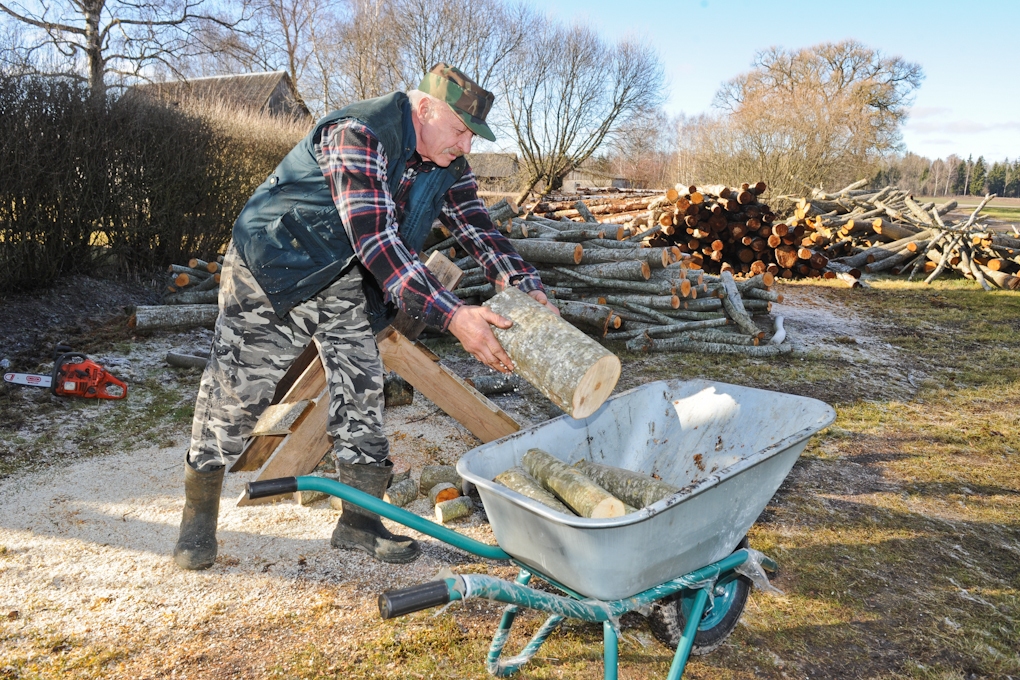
(447, 390)
(300, 453)
(308, 385)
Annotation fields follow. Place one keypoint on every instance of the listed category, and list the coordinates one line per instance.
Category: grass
(897, 532)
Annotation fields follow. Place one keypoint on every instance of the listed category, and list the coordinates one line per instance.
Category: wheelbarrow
(682, 561)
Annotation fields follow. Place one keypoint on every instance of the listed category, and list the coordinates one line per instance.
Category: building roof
(256, 91)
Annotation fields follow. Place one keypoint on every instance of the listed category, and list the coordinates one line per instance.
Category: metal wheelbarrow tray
(726, 448)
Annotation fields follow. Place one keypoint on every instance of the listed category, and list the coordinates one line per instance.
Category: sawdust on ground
(85, 547)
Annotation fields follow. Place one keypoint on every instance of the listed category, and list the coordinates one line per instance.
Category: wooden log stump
(443, 491)
(401, 493)
(571, 486)
(453, 509)
(438, 474)
(569, 368)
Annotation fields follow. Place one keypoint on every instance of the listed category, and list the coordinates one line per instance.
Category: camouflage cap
(466, 97)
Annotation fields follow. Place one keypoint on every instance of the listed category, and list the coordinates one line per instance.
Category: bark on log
(649, 301)
(569, 368)
(666, 330)
(517, 479)
(582, 210)
(633, 488)
(571, 486)
(550, 252)
(443, 491)
(436, 474)
(590, 317)
(630, 270)
(153, 317)
(401, 493)
(193, 297)
(495, 384)
(186, 360)
(454, 509)
(694, 346)
(503, 211)
(735, 307)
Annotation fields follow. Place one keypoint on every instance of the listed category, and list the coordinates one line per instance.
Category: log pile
(864, 230)
(654, 298)
(197, 282)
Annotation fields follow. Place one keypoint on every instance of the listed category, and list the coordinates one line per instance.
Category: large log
(550, 252)
(517, 479)
(569, 368)
(629, 270)
(571, 486)
(585, 315)
(176, 317)
(633, 488)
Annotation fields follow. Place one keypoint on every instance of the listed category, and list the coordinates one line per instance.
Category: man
(325, 250)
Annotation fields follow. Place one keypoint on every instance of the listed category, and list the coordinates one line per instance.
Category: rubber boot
(359, 529)
(196, 546)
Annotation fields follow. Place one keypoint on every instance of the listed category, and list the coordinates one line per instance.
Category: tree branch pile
(888, 231)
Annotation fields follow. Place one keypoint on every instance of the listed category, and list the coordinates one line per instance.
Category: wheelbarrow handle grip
(271, 487)
(406, 600)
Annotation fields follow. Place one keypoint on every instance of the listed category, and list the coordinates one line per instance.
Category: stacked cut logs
(654, 298)
(863, 230)
(585, 489)
(198, 282)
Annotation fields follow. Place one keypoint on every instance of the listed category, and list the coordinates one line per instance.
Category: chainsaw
(74, 375)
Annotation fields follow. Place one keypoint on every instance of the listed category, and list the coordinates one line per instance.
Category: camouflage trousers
(252, 348)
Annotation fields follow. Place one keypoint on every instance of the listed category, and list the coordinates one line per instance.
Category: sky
(968, 103)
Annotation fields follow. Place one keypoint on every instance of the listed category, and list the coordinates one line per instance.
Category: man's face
(444, 136)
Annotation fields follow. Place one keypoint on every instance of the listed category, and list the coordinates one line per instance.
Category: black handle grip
(271, 487)
(406, 600)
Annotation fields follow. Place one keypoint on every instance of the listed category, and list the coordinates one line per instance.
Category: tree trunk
(633, 488)
(571, 486)
(549, 252)
(517, 479)
(569, 368)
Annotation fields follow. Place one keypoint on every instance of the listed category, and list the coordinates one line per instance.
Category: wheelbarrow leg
(610, 651)
(501, 668)
(683, 648)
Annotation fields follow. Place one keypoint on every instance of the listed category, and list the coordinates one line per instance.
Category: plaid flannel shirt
(354, 164)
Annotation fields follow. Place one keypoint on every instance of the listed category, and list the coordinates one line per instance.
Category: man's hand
(470, 325)
(540, 297)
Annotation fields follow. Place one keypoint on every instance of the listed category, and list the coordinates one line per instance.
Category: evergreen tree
(978, 177)
(996, 179)
(959, 185)
(1012, 179)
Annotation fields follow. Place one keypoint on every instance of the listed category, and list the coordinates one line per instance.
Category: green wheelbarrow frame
(694, 587)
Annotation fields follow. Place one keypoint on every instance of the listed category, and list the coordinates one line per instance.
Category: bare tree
(567, 91)
(357, 54)
(644, 150)
(277, 36)
(478, 36)
(817, 115)
(119, 37)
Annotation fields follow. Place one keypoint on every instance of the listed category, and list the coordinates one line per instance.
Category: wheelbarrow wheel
(668, 616)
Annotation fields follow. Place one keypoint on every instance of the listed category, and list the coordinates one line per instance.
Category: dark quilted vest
(290, 234)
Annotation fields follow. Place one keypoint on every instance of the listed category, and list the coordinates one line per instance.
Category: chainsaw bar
(29, 379)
